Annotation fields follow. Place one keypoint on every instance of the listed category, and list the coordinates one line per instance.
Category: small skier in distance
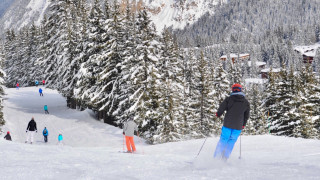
(128, 130)
(17, 85)
(46, 109)
(32, 126)
(36, 83)
(60, 138)
(45, 133)
(40, 92)
(7, 136)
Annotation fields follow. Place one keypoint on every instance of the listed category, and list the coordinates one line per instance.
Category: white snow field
(91, 149)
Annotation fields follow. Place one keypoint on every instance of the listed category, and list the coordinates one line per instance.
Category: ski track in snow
(91, 149)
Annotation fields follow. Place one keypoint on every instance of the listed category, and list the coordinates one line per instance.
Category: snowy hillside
(23, 12)
(91, 149)
(174, 13)
(178, 13)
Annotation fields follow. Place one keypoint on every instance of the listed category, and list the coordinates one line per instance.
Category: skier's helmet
(236, 88)
(8, 132)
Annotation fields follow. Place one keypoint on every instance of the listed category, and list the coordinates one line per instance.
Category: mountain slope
(176, 13)
(91, 149)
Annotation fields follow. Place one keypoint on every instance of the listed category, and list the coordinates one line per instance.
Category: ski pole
(240, 147)
(201, 147)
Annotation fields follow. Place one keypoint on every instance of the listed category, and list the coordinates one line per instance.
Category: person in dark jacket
(238, 110)
(7, 136)
(45, 133)
(32, 126)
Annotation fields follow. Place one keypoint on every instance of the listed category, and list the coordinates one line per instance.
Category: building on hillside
(308, 52)
(261, 65)
(265, 72)
(234, 57)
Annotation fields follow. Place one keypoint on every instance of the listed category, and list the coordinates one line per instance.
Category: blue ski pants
(227, 140)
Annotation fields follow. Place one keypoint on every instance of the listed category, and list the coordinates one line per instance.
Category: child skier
(46, 109)
(40, 91)
(45, 133)
(32, 126)
(7, 136)
(60, 138)
(238, 110)
(128, 130)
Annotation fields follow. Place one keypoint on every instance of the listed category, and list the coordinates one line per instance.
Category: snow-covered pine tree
(308, 100)
(270, 102)
(81, 55)
(222, 90)
(110, 61)
(68, 64)
(172, 85)
(10, 54)
(285, 95)
(2, 75)
(87, 84)
(206, 98)
(145, 78)
(31, 67)
(129, 55)
(257, 123)
(53, 26)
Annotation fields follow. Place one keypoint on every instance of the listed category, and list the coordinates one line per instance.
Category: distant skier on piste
(45, 133)
(60, 138)
(45, 107)
(128, 130)
(36, 83)
(7, 136)
(40, 92)
(43, 82)
(32, 126)
(17, 85)
(238, 110)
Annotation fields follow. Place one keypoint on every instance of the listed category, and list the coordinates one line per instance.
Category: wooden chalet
(234, 57)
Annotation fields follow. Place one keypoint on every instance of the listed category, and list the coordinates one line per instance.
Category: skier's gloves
(36, 131)
(26, 131)
(123, 133)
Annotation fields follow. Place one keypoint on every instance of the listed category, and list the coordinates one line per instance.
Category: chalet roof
(266, 70)
(255, 81)
(309, 51)
(258, 63)
(235, 56)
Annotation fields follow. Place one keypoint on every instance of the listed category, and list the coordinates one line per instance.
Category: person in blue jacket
(46, 109)
(45, 133)
(60, 138)
(37, 83)
(40, 91)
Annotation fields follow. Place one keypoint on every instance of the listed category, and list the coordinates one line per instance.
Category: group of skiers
(32, 128)
(36, 83)
(237, 110)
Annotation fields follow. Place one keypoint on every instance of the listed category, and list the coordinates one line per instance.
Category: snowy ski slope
(91, 149)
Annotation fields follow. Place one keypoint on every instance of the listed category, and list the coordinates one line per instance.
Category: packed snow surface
(91, 149)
